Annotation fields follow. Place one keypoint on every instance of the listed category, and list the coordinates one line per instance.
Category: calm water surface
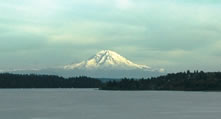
(95, 104)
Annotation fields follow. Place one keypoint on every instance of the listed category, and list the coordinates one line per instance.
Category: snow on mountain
(107, 59)
(105, 64)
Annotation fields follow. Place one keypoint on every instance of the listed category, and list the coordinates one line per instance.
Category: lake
(96, 104)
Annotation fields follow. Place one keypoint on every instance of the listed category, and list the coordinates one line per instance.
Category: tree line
(46, 81)
(183, 81)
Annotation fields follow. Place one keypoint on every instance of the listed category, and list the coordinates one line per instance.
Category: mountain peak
(106, 59)
(106, 51)
(104, 64)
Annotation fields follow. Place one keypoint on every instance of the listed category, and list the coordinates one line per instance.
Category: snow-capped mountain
(107, 59)
(105, 64)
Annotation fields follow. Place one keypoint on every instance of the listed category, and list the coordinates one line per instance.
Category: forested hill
(185, 81)
(46, 81)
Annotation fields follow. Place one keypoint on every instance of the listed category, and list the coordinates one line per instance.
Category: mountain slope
(105, 64)
(107, 59)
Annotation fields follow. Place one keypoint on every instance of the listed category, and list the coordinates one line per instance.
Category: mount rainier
(107, 59)
(104, 64)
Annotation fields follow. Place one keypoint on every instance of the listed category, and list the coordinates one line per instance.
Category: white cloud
(124, 4)
(162, 70)
(39, 7)
(73, 39)
(178, 53)
(91, 32)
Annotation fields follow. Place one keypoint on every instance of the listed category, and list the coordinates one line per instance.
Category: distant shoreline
(182, 81)
(81, 89)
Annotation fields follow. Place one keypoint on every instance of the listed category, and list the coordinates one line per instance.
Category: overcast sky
(173, 34)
